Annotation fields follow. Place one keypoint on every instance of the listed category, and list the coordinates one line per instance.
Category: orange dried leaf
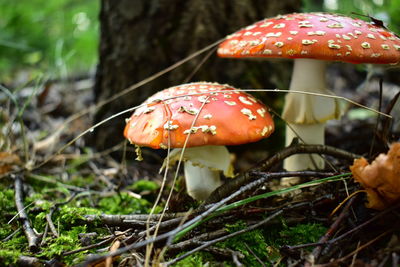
(8, 161)
(381, 178)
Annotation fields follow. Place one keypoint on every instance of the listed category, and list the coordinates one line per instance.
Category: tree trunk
(142, 37)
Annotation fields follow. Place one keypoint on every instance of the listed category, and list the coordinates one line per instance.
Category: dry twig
(33, 238)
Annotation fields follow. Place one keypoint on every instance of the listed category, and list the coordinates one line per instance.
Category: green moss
(198, 259)
(247, 244)
(9, 257)
(67, 241)
(263, 242)
(12, 249)
(123, 203)
(301, 234)
(144, 185)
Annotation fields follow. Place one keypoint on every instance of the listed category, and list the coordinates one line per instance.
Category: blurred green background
(60, 37)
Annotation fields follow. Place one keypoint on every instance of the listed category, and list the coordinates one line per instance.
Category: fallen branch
(122, 219)
(234, 184)
(33, 239)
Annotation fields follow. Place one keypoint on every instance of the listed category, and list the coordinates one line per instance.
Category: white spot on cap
(279, 44)
(352, 35)
(169, 126)
(356, 24)
(305, 24)
(191, 111)
(248, 113)
(266, 24)
(323, 19)
(242, 43)
(346, 37)
(230, 103)
(207, 116)
(319, 33)
(163, 146)
(385, 46)
(273, 34)
(252, 99)
(261, 111)
(127, 120)
(267, 51)
(335, 25)
(334, 46)
(279, 26)
(203, 99)
(254, 42)
(244, 100)
(291, 52)
(397, 47)
(307, 42)
(265, 130)
(250, 27)
(293, 32)
(365, 45)
(371, 36)
(375, 55)
(204, 128)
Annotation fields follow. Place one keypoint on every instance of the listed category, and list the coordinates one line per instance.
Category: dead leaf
(8, 161)
(381, 178)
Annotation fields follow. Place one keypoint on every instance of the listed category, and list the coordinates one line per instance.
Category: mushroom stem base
(310, 134)
(200, 181)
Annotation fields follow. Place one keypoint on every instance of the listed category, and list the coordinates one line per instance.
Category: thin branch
(359, 227)
(234, 184)
(99, 244)
(333, 228)
(121, 219)
(33, 239)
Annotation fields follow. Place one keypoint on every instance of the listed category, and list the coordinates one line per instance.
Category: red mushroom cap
(314, 35)
(225, 116)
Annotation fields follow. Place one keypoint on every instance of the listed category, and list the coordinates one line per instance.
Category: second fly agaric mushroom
(312, 39)
(201, 117)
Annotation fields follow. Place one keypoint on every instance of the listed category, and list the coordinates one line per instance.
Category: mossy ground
(67, 218)
(260, 244)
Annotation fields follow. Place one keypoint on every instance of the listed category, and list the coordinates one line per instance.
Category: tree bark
(141, 37)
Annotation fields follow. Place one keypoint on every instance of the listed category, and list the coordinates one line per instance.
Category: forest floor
(63, 203)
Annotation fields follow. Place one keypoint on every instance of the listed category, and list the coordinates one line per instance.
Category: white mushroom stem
(307, 113)
(200, 181)
(202, 168)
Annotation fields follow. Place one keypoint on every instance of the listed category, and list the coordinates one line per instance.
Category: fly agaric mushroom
(312, 39)
(202, 117)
